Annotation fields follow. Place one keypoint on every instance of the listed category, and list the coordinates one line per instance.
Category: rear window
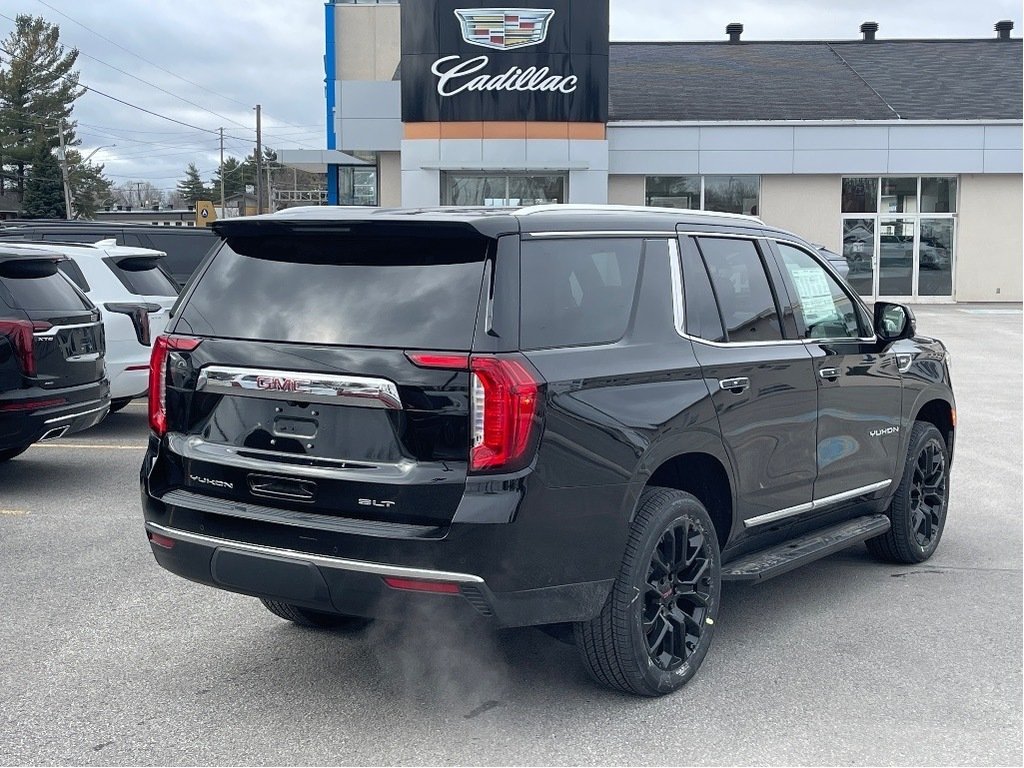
(74, 272)
(577, 292)
(44, 293)
(143, 277)
(409, 292)
(185, 251)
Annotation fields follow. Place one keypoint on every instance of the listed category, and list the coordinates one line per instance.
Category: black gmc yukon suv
(541, 416)
(52, 379)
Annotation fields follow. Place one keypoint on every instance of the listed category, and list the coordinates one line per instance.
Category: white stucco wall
(626, 190)
(989, 248)
(389, 179)
(367, 41)
(807, 205)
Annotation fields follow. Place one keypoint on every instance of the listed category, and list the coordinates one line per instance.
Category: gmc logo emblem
(277, 384)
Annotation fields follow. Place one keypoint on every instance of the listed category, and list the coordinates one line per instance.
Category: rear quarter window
(143, 277)
(577, 292)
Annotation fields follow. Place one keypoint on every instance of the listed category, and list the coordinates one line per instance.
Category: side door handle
(829, 373)
(737, 386)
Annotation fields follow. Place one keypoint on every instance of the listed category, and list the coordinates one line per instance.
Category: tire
(9, 453)
(621, 647)
(304, 617)
(120, 403)
(918, 508)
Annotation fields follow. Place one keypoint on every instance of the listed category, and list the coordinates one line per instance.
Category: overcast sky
(224, 57)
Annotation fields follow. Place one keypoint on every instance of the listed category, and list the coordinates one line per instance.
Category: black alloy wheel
(918, 507)
(656, 627)
(928, 492)
(678, 595)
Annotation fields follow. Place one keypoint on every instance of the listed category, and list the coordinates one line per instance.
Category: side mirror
(894, 322)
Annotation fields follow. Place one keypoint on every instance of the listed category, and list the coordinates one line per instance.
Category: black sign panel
(535, 60)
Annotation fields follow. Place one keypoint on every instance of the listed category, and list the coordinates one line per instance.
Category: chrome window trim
(816, 504)
(323, 388)
(342, 564)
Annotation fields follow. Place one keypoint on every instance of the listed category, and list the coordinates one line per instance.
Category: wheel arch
(706, 476)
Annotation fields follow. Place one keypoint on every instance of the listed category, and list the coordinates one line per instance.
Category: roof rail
(594, 208)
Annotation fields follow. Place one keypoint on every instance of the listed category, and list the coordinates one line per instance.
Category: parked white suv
(134, 294)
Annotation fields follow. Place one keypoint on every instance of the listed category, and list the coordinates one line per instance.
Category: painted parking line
(13, 512)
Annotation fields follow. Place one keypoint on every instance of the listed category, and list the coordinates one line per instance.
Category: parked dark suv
(541, 416)
(186, 247)
(52, 380)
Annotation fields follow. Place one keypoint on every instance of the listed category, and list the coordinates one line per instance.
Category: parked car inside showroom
(52, 381)
(134, 294)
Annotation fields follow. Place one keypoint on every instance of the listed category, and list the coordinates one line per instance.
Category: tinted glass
(577, 292)
(896, 257)
(43, 293)
(899, 195)
(673, 191)
(184, 252)
(859, 252)
(935, 268)
(731, 194)
(149, 281)
(74, 272)
(938, 195)
(827, 312)
(860, 195)
(702, 319)
(412, 292)
(503, 189)
(742, 288)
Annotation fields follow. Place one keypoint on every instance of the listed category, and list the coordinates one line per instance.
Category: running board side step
(791, 554)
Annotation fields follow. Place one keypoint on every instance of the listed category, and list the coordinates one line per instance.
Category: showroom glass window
(899, 234)
(725, 194)
(357, 184)
(503, 189)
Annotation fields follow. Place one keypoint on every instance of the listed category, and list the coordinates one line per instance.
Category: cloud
(271, 52)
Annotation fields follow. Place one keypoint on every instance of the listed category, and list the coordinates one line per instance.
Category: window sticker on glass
(815, 295)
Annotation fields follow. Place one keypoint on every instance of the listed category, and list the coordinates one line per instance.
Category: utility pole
(259, 162)
(270, 192)
(222, 209)
(65, 176)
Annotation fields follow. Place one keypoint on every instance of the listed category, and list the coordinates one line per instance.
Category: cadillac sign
(543, 63)
(504, 28)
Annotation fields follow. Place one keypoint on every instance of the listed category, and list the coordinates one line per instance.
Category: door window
(822, 305)
(741, 285)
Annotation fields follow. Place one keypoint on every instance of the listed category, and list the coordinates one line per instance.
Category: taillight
(139, 314)
(504, 407)
(19, 334)
(162, 347)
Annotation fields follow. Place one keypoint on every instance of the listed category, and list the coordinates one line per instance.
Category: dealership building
(903, 155)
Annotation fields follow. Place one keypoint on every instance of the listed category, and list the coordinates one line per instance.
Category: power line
(142, 58)
(153, 64)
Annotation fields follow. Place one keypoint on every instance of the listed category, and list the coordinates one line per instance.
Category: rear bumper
(84, 407)
(358, 587)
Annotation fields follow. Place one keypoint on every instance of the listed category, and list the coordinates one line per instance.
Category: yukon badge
(886, 431)
(214, 483)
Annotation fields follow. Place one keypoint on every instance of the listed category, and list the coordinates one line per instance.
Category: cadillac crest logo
(504, 28)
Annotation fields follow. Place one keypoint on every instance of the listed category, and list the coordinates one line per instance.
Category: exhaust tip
(54, 433)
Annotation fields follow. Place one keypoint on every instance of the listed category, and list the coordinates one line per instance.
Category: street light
(89, 156)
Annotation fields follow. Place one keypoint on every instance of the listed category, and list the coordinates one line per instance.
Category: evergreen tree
(191, 188)
(90, 190)
(37, 91)
(44, 191)
(234, 174)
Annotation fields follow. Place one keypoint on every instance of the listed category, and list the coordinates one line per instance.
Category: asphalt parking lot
(107, 659)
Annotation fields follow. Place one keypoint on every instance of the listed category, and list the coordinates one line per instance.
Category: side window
(824, 309)
(73, 271)
(741, 285)
(702, 318)
(577, 292)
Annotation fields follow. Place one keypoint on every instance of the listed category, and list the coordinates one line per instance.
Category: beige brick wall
(806, 205)
(989, 247)
(368, 41)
